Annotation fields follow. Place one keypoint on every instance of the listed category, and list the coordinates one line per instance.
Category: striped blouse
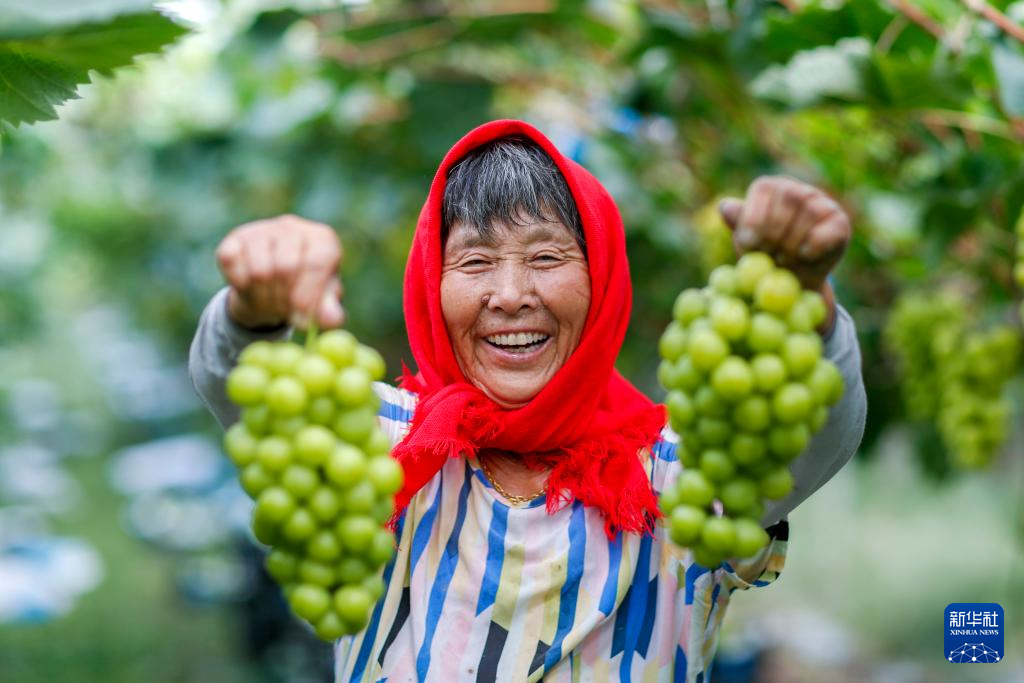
(480, 590)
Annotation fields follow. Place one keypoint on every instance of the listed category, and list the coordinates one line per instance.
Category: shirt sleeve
(833, 446)
(214, 352)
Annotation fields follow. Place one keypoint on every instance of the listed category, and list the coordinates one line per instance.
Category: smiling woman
(530, 545)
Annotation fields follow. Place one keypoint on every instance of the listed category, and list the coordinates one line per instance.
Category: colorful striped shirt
(481, 590)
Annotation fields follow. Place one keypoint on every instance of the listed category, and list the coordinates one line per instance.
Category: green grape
(750, 538)
(356, 532)
(352, 570)
(255, 479)
(346, 465)
(284, 357)
(729, 318)
(330, 627)
(686, 523)
(257, 353)
(777, 291)
(247, 385)
(719, 535)
(338, 346)
(286, 396)
(240, 444)
(689, 305)
(707, 349)
(353, 605)
(321, 410)
(274, 453)
(309, 601)
(313, 444)
(300, 481)
(776, 484)
(371, 361)
(385, 474)
(672, 343)
(282, 565)
(316, 374)
(382, 548)
(732, 379)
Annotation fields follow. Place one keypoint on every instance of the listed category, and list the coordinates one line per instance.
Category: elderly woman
(529, 544)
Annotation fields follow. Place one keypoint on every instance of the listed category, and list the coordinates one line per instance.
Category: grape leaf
(39, 72)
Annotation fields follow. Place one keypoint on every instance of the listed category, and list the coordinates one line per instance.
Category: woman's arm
(214, 352)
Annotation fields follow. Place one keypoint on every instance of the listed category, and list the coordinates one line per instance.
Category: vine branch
(996, 17)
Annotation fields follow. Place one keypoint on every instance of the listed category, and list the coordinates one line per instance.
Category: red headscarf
(588, 423)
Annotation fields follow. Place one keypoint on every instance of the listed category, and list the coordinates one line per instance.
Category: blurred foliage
(48, 49)
(911, 116)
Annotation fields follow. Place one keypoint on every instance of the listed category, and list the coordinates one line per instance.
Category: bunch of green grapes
(953, 374)
(918, 325)
(311, 454)
(974, 411)
(747, 387)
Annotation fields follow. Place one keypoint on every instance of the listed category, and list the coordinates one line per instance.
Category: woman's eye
(474, 262)
(546, 257)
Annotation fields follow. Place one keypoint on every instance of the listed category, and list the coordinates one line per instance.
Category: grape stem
(311, 333)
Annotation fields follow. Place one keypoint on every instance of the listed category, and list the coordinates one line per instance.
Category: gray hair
(509, 180)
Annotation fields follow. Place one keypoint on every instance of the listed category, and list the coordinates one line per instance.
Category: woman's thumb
(730, 208)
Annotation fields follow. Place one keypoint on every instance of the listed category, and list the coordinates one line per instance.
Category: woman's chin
(510, 395)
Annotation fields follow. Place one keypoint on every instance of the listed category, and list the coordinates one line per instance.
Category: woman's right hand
(283, 270)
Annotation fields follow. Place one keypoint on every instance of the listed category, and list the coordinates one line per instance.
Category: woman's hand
(282, 269)
(803, 228)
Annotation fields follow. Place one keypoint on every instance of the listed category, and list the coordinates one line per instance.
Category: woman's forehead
(467, 236)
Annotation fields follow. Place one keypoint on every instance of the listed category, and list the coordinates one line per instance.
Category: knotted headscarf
(588, 423)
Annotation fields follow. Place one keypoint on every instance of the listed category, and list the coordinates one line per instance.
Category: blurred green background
(122, 548)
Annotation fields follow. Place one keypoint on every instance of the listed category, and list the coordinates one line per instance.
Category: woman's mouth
(520, 343)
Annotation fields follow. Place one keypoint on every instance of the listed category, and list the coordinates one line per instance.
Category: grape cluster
(974, 410)
(953, 374)
(914, 327)
(311, 454)
(747, 386)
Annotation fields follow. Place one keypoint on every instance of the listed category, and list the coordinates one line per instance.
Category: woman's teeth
(520, 342)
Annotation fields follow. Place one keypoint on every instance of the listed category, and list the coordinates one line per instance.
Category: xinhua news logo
(974, 633)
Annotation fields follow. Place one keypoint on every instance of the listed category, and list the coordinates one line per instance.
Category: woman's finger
(812, 211)
(318, 270)
(331, 313)
(287, 253)
(232, 262)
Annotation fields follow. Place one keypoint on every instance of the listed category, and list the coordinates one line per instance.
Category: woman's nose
(511, 290)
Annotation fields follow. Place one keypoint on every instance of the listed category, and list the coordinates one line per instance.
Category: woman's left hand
(803, 228)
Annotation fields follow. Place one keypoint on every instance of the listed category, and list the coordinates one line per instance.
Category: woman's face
(514, 305)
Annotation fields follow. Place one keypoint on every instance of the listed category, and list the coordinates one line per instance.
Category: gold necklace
(510, 497)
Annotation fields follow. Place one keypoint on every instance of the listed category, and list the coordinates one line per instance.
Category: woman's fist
(282, 269)
(801, 226)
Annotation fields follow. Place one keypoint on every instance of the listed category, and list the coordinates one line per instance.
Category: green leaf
(38, 73)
